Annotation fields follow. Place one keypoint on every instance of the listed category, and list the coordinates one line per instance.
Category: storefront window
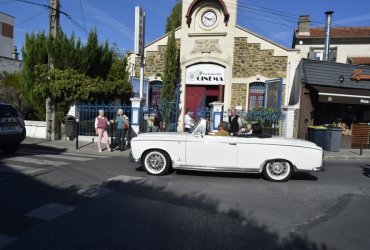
(256, 95)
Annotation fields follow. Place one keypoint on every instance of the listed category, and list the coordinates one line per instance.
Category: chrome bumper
(132, 159)
(319, 169)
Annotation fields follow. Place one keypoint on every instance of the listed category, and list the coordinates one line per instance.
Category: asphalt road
(58, 200)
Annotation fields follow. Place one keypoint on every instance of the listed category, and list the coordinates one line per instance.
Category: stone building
(221, 61)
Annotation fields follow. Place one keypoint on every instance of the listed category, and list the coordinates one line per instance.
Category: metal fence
(270, 120)
(88, 112)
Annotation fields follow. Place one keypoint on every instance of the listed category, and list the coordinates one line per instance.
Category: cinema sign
(205, 74)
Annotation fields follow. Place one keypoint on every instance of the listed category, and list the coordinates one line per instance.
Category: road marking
(64, 157)
(50, 211)
(11, 168)
(38, 161)
(127, 179)
(6, 240)
(94, 192)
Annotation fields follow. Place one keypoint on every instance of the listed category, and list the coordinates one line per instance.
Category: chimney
(327, 35)
(304, 24)
(15, 53)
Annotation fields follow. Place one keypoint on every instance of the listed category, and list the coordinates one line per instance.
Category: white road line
(6, 240)
(64, 157)
(38, 161)
(11, 168)
(127, 179)
(94, 192)
(50, 211)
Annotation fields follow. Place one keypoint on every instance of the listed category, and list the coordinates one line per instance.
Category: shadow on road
(137, 215)
(296, 176)
(366, 170)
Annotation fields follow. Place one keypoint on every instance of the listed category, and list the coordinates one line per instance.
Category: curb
(346, 157)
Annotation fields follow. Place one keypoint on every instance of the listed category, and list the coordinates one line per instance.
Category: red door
(194, 95)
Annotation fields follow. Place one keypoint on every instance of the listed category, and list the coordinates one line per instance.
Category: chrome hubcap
(278, 169)
(155, 162)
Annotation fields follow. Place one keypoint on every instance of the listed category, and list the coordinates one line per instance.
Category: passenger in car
(256, 131)
(223, 129)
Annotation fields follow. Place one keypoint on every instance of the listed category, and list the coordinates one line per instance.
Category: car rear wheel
(278, 170)
(157, 162)
(10, 149)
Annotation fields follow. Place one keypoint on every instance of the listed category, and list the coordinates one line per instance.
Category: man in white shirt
(188, 120)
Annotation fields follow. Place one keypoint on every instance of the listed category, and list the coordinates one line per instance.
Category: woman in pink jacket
(101, 125)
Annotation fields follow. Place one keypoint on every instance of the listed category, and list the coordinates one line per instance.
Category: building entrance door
(200, 96)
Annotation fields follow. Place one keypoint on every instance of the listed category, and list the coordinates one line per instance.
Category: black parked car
(12, 128)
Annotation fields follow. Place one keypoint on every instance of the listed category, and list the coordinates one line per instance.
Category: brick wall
(154, 61)
(239, 94)
(250, 60)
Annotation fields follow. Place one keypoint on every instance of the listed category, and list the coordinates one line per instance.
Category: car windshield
(7, 111)
(195, 126)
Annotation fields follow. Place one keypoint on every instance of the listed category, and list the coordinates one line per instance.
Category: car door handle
(232, 143)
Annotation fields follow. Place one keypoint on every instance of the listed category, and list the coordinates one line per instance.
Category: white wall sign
(205, 74)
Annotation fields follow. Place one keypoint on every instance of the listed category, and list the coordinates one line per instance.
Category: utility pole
(52, 124)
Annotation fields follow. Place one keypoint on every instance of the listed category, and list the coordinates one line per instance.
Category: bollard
(76, 133)
(362, 142)
(111, 134)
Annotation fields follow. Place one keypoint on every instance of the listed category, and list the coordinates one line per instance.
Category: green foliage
(81, 72)
(171, 72)
(174, 19)
(10, 88)
(34, 52)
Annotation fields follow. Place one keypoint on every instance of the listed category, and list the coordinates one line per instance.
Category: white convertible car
(276, 157)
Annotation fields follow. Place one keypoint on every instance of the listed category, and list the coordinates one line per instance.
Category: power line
(60, 11)
(83, 16)
(30, 18)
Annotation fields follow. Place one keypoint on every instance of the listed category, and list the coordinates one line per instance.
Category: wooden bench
(360, 130)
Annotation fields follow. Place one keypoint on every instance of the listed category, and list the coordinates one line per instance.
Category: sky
(114, 19)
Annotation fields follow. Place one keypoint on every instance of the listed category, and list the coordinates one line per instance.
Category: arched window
(256, 96)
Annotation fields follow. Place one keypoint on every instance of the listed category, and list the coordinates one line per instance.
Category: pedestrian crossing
(34, 162)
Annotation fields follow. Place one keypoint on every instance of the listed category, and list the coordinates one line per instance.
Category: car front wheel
(157, 162)
(278, 170)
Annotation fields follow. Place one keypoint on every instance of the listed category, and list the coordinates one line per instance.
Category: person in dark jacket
(235, 122)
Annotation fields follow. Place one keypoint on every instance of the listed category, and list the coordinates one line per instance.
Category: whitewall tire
(157, 162)
(278, 170)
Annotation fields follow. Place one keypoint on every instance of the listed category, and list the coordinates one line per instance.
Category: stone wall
(250, 60)
(239, 94)
(154, 61)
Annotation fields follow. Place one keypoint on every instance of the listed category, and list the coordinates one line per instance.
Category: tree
(96, 65)
(170, 77)
(11, 88)
(34, 53)
(174, 19)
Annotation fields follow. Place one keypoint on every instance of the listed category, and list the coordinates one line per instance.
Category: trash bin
(333, 139)
(70, 127)
(317, 135)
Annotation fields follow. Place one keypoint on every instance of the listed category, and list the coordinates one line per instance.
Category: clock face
(209, 18)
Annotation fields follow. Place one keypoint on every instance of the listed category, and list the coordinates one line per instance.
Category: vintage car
(275, 157)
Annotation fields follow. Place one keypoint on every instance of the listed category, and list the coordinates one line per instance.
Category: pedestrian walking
(101, 125)
(123, 125)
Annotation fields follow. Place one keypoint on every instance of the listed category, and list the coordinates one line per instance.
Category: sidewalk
(347, 154)
(92, 148)
(70, 147)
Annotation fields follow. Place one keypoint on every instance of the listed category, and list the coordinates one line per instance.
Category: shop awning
(340, 95)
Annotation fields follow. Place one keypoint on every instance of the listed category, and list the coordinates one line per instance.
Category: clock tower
(209, 15)
(206, 53)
